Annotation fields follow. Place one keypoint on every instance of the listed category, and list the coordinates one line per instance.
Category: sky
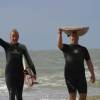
(38, 21)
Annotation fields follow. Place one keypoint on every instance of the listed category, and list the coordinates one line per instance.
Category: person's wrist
(59, 31)
(34, 76)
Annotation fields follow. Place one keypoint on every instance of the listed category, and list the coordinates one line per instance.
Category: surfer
(75, 55)
(14, 71)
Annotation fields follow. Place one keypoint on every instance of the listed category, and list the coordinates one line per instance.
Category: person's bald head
(14, 36)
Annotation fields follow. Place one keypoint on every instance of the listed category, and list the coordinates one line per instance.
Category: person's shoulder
(22, 46)
(65, 44)
(83, 47)
(64, 47)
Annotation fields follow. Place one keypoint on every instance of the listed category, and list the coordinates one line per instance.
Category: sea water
(49, 65)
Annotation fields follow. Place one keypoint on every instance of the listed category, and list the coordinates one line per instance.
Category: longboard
(28, 73)
(80, 30)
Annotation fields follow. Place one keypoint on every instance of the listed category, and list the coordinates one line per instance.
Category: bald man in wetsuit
(74, 72)
(14, 71)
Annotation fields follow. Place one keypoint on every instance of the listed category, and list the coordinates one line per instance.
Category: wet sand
(36, 98)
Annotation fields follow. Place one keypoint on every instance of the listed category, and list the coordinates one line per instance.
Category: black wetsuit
(14, 72)
(74, 67)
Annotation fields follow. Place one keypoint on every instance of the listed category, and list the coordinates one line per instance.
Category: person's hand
(25, 72)
(60, 30)
(34, 77)
(92, 78)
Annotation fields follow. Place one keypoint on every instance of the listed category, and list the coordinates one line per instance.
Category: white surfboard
(80, 30)
(25, 64)
(29, 81)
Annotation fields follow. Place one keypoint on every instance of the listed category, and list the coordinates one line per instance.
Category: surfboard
(28, 74)
(80, 30)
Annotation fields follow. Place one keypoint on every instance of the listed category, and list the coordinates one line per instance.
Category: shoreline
(96, 97)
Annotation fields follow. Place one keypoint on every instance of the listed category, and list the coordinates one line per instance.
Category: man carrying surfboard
(75, 55)
(14, 72)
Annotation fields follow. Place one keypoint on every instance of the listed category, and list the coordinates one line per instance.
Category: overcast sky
(37, 21)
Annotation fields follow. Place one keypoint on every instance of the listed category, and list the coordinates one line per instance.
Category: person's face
(14, 37)
(74, 37)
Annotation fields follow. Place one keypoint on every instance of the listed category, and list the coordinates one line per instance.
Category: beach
(33, 98)
(47, 94)
(50, 75)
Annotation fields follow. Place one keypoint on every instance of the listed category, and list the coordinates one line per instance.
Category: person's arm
(91, 69)
(3, 43)
(60, 44)
(29, 61)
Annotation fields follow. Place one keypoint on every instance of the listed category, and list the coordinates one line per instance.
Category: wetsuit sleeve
(29, 60)
(64, 48)
(3, 43)
(86, 54)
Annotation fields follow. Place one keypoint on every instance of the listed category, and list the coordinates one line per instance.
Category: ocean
(50, 75)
